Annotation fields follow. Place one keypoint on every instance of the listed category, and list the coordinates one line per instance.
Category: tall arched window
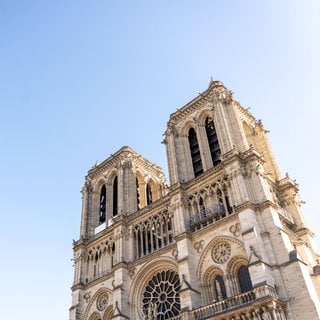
(213, 141)
(115, 197)
(244, 279)
(138, 194)
(148, 194)
(220, 289)
(201, 205)
(102, 209)
(195, 153)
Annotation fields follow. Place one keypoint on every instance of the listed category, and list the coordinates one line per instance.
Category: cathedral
(223, 238)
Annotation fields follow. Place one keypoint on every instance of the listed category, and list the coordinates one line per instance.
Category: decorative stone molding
(87, 296)
(132, 272)
(235, 229)
(102, 301)
(221, 252)
(199, 246)
(175, 253)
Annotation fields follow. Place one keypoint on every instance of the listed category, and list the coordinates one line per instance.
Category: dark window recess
(244, 279)
(113, 250)
(195, 153)
(149, 194)
(102, 210)
(201, 205)
(213, 142)
(115, 197)
(138, 194)
(220, 289)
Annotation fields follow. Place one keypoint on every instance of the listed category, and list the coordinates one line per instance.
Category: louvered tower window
(138, 194)
(195, 153)
(149, 194)
(115, 197)
(213, 141)
(102, 210)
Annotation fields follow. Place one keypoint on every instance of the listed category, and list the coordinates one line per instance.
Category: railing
(231, 303)
(214, 213)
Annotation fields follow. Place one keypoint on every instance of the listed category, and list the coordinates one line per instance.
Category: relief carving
(221, 252)
(235, 229)
(199, 246)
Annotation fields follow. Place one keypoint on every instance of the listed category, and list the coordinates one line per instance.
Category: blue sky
(80, 79)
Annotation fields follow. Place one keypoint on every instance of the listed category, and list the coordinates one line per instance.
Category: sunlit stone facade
(225, 239)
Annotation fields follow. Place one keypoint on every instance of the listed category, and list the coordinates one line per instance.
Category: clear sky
(80, 79)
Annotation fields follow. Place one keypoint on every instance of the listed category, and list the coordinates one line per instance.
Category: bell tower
(226, 239)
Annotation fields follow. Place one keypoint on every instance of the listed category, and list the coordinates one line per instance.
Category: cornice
(224, 221)
(213, 174)
(153, 255)
(215, 92)
(125, 153)
(151, 209)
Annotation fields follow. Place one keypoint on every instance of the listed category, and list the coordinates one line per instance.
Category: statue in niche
(218, 290)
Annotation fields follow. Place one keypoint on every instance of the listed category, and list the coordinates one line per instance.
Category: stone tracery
(161, 298)
(153, 233)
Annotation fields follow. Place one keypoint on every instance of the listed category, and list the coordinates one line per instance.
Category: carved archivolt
(220, 250)
(95, 316)
(142, 281)
(97, 304)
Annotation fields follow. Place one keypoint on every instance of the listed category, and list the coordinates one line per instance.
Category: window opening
(113, 250)
(221, 203)
(244, 279)
(195, 153)
(102, 210)
(149, 194)
(138, 194)
(220, 289)
(161, 299)
(115, 197)
(213, 141)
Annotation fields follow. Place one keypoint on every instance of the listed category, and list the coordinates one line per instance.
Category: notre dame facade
(225, 238)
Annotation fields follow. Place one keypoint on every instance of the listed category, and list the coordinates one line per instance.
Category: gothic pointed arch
(239, 274)
(95, 316)
(98, 304)
(108, 313)
(195, 152)
(102, 204)
(140, 186)
(148, 193)
(218, 253)
(212, 141)
(115, 196)
(213, 285)
(155, 290)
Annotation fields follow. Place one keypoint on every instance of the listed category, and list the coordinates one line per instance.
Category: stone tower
(225, 240)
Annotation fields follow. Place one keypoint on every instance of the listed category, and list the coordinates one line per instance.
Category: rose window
(221, 252)
(161, 297)
(102, 301)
